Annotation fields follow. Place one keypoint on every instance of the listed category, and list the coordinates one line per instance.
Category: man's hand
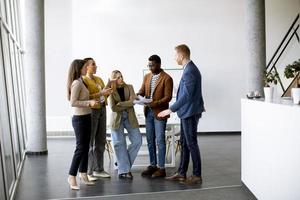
(164, 113)
(150, 105)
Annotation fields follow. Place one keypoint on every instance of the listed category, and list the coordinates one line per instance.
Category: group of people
(89, 96)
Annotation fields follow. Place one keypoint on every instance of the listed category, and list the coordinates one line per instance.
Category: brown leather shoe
(159, 173)
(193, 180)
(176, 177)
(149, 171)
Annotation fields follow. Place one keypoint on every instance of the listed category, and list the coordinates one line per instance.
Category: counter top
(280, 101)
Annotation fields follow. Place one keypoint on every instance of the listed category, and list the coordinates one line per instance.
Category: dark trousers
(98, 140)
(189, 144)
(82, 128)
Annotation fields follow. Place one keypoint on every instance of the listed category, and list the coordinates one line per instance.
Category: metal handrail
(273, 66)
(283, 40)
(294, 33)
(285, 46)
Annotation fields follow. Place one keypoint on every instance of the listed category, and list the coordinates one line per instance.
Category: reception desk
(271, 149)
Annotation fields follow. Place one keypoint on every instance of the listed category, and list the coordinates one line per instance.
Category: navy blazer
(189, 100)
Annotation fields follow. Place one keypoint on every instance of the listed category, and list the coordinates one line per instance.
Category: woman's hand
(94, 103)
(106, 91)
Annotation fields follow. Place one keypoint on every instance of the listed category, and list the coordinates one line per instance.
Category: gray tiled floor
(45, 177)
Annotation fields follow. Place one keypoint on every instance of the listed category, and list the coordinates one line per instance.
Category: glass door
(5, 131)
(2, 186)
(13, 99)
(20, 109)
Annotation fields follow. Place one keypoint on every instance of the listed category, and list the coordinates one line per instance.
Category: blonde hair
(114, 74)
(113, 85)
(184, 50)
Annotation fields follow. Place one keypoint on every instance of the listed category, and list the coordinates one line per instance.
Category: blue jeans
(126, 156)
(155, 131)
(189, 145)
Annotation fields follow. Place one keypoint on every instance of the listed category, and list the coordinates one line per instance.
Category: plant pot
(296, 95)
(269, 91)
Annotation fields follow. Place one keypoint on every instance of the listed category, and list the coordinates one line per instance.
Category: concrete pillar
(256, 44)
(35, 77)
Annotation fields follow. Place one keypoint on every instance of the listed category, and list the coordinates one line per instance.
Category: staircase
(272, 64)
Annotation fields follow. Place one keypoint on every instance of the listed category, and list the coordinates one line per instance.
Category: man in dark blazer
(189, 107)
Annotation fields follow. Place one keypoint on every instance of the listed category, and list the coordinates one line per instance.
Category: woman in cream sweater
(78, 95)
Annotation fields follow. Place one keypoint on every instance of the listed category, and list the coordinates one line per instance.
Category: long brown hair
(73, 74)
(87, 59)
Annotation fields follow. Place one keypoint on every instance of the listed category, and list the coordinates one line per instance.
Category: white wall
(123, 34)
(58, 56)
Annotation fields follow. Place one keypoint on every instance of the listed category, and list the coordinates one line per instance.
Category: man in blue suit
(189, 107)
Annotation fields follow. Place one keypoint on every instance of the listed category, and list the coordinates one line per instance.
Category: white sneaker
(102, 174)
(91, 178)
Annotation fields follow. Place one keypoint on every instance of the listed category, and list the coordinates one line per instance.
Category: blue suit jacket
(189, 100)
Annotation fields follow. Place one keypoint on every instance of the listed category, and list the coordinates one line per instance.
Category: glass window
(18, 95)
(13, 16)
(22, 78)
(21, 122)
(12, 94)
(2, 181)
(12, 98)
(3, 10)
(17, 18)
(8, 161)
(8, 13)
(2, 186)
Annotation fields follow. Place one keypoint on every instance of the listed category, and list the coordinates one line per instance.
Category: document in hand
(142, 100)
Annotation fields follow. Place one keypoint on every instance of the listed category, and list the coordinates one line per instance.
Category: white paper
(142, 100)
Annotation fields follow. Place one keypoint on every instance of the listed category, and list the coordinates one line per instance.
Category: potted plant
(292, 71)
(270, 78)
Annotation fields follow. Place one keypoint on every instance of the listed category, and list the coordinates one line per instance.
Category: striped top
(152, 84)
